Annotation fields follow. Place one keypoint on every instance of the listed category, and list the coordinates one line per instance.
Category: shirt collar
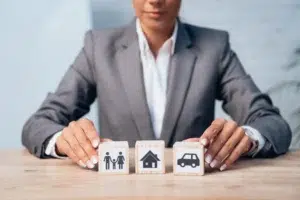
(143, 43)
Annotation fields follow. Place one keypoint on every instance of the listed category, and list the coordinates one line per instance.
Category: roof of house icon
(150, 154)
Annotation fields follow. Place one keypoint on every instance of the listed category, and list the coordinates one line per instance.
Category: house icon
(150, 160)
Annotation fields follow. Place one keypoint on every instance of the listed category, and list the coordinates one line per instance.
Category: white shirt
(155, 80)
(156, 75)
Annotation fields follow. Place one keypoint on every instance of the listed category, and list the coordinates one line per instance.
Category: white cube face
(188, 160)
(113, 160)
(150, 159)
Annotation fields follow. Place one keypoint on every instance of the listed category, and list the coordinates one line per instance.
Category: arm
(245, 103)
(71, 100)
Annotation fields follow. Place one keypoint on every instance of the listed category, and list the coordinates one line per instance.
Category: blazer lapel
(131, 74)
(180, 72)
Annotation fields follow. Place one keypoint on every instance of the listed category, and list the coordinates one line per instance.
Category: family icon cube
(113, 158)
(150, 157)
(188, 158)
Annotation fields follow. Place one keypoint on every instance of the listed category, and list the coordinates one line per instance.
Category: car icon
(189, 159)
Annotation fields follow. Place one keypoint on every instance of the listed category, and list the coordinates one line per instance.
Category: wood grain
(26, 177)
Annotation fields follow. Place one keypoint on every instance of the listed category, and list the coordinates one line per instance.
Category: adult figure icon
(120, 160)
(107, 160)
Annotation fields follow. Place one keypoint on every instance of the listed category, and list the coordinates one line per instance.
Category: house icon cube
(149, 157)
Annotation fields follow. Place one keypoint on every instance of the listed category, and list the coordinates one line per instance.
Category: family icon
(120, 161)
(113, 158)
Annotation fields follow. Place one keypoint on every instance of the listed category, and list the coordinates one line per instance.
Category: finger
(68, 135)
(229, 146)
(90, 131)
(237, 152)
(65, 148)
(191, 140)
(60, 147)
(212, 131)
(220, 141)
(85, 143)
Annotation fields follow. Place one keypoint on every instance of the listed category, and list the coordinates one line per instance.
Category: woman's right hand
(79, 142)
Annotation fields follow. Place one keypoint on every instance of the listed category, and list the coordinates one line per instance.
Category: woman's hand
(79, 142)
(225, 142)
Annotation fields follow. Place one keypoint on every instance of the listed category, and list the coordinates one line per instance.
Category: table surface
(25, 177)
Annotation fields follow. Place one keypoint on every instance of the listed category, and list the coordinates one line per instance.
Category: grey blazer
(202, 69)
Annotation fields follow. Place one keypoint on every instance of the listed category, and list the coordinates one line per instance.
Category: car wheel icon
(182, 164)
(193, 165)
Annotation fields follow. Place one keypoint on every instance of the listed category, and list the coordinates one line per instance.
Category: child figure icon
(114, 163)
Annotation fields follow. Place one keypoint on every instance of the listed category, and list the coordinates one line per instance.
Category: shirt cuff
(50, 150)
(255, 136)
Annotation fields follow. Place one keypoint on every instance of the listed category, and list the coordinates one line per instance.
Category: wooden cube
(113, 158)
(150, 157)
(188, 158)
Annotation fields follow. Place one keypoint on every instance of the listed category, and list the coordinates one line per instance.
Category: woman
(157, 78)
(120, 160)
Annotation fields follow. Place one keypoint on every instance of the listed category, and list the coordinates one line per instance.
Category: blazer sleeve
(247, 105)
(71, 100)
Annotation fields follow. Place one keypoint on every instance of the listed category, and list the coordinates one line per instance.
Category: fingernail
(214, 163)
(81, 164)
(94, 159)
(90, 164)
(95, 143)
(223, 167)
(204, 141)
(208, 159)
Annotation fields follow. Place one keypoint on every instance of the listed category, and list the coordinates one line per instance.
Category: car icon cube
(189, 159)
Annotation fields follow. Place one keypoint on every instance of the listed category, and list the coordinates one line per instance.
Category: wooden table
(26, 177)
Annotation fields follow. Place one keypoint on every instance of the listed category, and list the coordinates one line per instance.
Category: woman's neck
(156, 38)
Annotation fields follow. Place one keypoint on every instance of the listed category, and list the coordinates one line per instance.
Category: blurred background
(39, 39)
